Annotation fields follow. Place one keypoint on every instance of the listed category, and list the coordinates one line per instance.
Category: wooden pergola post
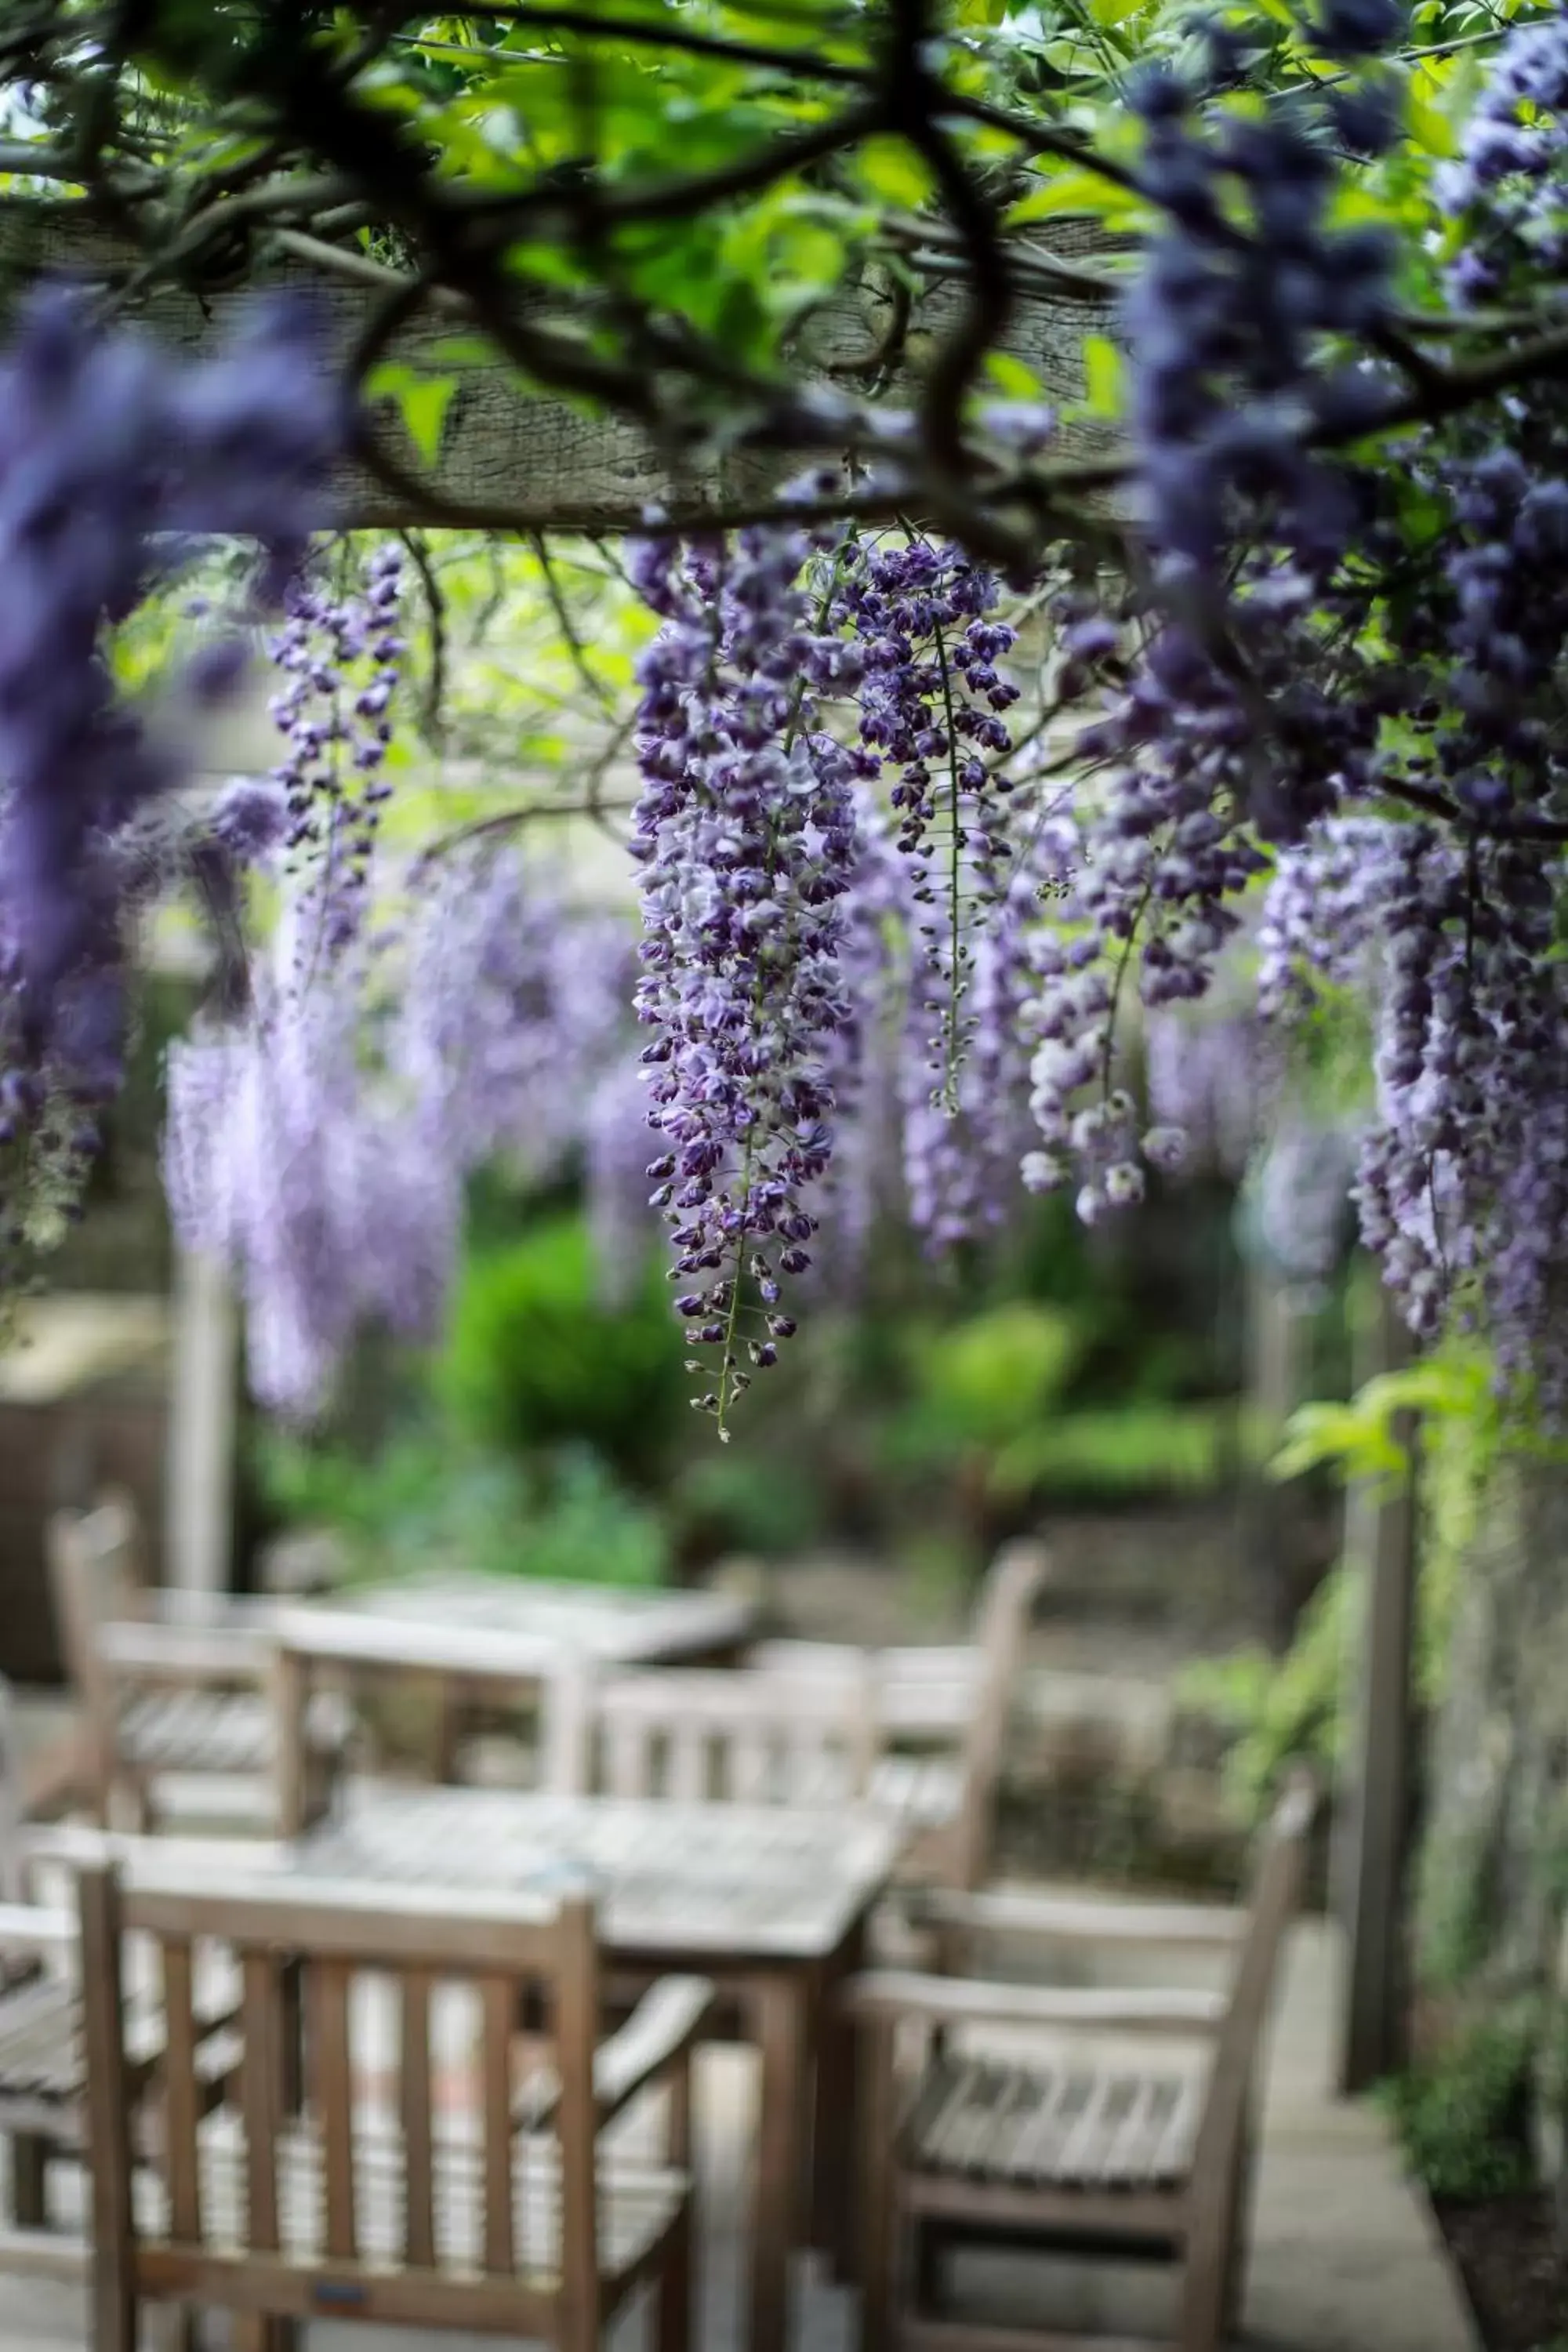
(1278, 1339)
(202, 1429)
(1373, 1808)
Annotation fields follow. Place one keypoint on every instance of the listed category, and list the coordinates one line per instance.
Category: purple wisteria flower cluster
(341, 659)
(112, 458)
(512, 1003)
(923, 616)
(321, 1144)
(1209, 1080)
(745, 833)
(1226, 323)
(297, 1164)
(1509, 185)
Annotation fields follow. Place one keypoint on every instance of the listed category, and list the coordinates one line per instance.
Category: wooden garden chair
(505, 2215)
(43, 2081)
(704, 1735)
(163, 1705)
(1127, 2159)
(942, 1714)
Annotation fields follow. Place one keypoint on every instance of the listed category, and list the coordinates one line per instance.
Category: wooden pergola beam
(506, 446)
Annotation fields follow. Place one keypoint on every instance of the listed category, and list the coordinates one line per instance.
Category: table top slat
(711, 1883)
(455, 1621)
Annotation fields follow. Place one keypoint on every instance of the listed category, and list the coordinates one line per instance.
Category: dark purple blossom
(111, 455)
(745, 833)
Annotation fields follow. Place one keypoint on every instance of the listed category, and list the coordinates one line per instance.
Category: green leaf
(1357, 1443)
(1430, 130)
(1012, 376)
(422, 401)
(1101, 376)
(892, 170)
(1075, 194)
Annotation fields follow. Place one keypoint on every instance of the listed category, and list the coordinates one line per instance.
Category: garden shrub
(746, 1500)
(1124, 1455)
(1463, 2118)
(988, 1380)
(1276, 1710)
(535, 1359)
(425, 1501)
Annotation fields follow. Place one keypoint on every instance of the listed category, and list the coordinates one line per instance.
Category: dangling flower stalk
(746, 833)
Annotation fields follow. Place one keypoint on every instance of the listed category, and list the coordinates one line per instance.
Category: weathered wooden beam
(506, 445)
(202, 1411)
(1277, 1339)
(1373, 1828)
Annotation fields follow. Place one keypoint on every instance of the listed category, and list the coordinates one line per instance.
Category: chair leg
(881, 2222)
(114, 2323)
(672, 2329)
(1213, 2273)
(1204, 2302)
(927, 2248)
(177, 2327)
(265, 2331)
(29, 2180)
(1237, 2249)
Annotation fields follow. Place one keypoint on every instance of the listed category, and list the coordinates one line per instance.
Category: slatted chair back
(1012, 1586)
(93, 1582)
(701, 1735)
(341, 2209)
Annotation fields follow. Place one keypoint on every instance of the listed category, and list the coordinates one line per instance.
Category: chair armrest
(75, 1844)
(146, 1652)
(29, 1927)
(959, 2000)
(660, 2030)
(1190, 1926)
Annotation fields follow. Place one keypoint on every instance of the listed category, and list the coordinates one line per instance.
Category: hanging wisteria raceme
(930, 707)
(1298, 1199)
(621, 1223)
(512, 1001)
(1322, 911)
(965, 1145)
(320, 1143)
(341, 657)
(1227, 734)
(1510, 182)
(1210, 1087)
(1225, 323)
(290, 1159)
(745, 832)
(1260, 719)
(112, 457)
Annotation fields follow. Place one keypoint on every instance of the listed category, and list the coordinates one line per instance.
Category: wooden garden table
(773, 1902)
(605, 1622)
